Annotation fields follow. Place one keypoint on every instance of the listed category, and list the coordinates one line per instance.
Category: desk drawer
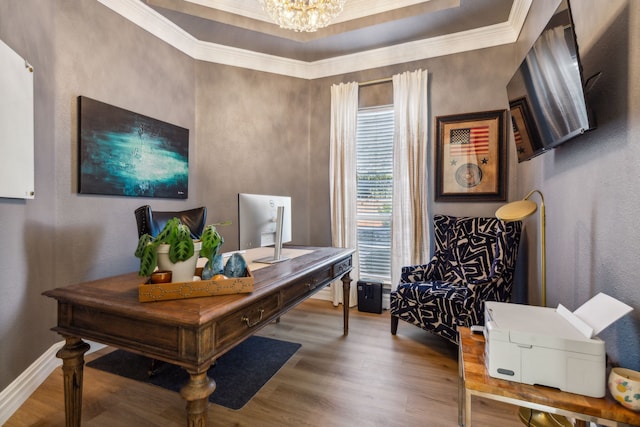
(244, 321)
(341, 267)
(305, 286)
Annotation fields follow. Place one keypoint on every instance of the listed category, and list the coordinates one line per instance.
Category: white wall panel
(16, 126)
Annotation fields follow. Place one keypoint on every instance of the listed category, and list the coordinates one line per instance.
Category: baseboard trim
(16, 393)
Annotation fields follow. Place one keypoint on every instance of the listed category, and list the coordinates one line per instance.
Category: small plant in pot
(175, 243)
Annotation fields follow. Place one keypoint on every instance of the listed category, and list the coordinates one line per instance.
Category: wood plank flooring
(369, 378)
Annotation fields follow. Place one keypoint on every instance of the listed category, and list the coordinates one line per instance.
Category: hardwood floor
(369, 378)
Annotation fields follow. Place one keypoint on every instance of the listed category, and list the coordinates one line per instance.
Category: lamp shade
(515, 211)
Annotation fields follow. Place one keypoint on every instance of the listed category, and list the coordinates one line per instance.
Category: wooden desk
(474, 380)
(191, 333)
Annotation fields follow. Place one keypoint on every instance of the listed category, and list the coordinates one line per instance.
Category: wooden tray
(200, 288)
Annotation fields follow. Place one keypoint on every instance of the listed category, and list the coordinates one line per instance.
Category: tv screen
(546, 94)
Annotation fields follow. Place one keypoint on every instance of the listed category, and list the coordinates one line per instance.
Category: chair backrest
(475, 248)
(479, 254)
(152, 222)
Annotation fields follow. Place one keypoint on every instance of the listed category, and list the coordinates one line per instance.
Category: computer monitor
(264, 220)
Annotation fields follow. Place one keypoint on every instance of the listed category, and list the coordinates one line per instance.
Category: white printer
(548, 346)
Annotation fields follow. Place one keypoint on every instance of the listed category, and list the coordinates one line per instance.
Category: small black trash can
(369, 297)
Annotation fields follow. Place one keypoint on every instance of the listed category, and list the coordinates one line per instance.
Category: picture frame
(122, 153)
(471, 157)
(525, 133)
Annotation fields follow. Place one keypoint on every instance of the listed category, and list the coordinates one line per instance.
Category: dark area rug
(239, 374)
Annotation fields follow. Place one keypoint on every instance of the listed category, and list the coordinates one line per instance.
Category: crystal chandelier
(303, 15)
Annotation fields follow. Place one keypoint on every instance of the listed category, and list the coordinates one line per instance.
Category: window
(374, 173)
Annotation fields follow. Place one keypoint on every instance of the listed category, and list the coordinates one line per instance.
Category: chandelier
(303, 15)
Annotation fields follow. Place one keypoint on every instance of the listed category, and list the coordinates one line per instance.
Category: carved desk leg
(196, 392)
(72, 355)
(346, 291)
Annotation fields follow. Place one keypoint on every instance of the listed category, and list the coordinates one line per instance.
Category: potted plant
(175, 243)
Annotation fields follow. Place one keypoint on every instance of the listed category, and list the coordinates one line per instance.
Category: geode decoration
(217, 267)
(236, 266)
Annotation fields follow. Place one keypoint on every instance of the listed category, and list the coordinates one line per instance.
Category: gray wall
(252, 137)
(590, 183)
(27, 264)
(258, 132)
(461, 83)
(61, 237)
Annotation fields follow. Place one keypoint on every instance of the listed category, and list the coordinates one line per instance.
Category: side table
(474, 380)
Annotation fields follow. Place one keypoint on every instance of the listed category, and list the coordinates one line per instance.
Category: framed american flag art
(471, 157)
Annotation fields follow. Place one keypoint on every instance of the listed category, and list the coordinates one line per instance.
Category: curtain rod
(375, 82)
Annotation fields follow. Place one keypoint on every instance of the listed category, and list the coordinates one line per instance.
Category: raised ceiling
(368, 34)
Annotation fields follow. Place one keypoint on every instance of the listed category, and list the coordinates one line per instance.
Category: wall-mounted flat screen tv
(546, 94)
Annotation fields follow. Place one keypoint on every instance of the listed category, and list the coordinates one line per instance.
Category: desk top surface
(119, 294)
(477, 378)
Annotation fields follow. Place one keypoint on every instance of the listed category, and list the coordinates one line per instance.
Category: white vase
(181, 271)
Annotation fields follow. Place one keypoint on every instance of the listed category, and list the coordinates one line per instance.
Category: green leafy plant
(178, 236)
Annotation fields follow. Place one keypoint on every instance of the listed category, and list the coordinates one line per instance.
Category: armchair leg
(394, 324)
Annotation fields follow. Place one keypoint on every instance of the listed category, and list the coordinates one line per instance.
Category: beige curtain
(344, 116)
(410, 218)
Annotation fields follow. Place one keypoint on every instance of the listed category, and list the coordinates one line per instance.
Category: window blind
(374, 172)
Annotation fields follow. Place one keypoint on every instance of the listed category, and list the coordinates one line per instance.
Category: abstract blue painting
(127, 154)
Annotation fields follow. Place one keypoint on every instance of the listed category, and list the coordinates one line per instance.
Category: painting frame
(122, 153)
(471, 157)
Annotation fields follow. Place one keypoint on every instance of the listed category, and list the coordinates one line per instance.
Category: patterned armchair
(474, 262)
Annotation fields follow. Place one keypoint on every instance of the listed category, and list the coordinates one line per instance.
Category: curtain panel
(410, 218)
(342, 179)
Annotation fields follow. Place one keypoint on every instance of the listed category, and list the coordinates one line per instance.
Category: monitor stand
(277, 249)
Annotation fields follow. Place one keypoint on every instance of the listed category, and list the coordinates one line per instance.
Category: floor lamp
(519, 210)
(516, 211)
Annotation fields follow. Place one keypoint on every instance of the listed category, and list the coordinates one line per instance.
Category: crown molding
(465, 41)
(494, 35)
(215, 53)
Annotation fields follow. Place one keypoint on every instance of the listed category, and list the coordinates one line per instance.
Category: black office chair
(152, 222)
